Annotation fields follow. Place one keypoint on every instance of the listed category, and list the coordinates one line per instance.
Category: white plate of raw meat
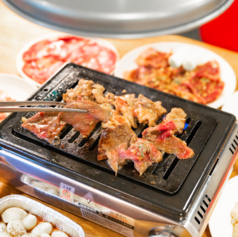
(41, 58)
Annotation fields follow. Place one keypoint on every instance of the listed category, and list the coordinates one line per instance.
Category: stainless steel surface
(21, 173)
(18, 171)
(20, 103)
(211, 190)
(36, 109)
(162, 231)
(40, 109)
(120, 18)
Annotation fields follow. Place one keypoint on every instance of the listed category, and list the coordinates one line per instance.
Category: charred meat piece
(82, 90)
(126, 105)
(162, 136)
(116, 132)
(147, 111)
(142, 152)
(113, 157)
(153, 58)
(45, 125)
(98, 91)
(142, 109)
(85, 122)
(178, 116)
(88, 90)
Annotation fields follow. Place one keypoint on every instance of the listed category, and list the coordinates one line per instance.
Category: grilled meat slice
(45, 125)
(153, 58)
(88, 90)
(113, 157)
(162, 136)
(116, 132)
(142, 152)
(142, 109)
(98, 91)
(126, 105)
(147, 111)
(178, 116)
(82, 90)
(85, 122)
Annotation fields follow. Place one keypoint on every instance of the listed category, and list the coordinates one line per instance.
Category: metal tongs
(9, 107)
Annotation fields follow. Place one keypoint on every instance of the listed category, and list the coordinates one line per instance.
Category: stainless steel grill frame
(25, 162)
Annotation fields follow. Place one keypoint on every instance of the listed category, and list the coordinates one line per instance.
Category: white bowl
(16, 87)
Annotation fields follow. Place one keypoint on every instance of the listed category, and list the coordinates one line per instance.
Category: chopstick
(19, 103)
(4, 107)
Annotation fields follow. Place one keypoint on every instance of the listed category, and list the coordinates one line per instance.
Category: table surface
(16, 32)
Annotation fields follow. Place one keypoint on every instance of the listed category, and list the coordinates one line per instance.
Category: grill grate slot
(234, 145)
(74, 137)
(202, 210)
(167, 176)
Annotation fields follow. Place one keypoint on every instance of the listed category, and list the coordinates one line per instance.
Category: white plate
(231, 105)
(20, 61)
(127, 63)
(16, 87)
(220, 221)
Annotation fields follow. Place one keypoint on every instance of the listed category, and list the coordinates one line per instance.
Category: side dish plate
(127, 63)
(220, 221)
(47, 214)
(16, 87)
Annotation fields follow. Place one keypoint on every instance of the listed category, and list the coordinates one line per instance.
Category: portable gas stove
(172, 198)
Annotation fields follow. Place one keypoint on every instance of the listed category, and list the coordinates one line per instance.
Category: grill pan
(166, 176)
(169, 187)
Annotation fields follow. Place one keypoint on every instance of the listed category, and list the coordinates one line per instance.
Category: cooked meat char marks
(142, 152)
(85, 122)
(142, 109)
(118, 144)
(45, 125)
(162, 135)
(82, 90)
(116, 133)
(178, 116)
(126, 104)
(98, 91)
(153, 58)
(88, 90)
(147, 111)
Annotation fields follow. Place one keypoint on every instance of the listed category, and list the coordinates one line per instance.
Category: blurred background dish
(38, 60)
(220, 221)
(119, 19)
(227, 75)
(231, 105)
(14, 88)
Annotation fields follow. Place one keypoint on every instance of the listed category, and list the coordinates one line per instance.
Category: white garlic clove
(59, 233)
(29, 221)
(16, 228)
(43, 227)
(3, 227)
(4, 234)
(13, 213)
(44, 235)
